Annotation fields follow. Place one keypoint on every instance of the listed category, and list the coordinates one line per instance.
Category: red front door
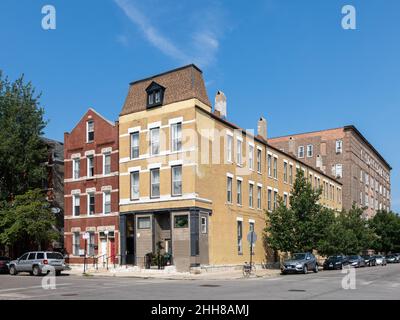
(112, 244)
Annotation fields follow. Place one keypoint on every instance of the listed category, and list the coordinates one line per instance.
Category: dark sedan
(391, 258)
(369, 260)
(356, 261)
(4, 264)
(335, 262)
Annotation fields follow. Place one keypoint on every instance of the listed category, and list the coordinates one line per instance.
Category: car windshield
(299, 256)
(378, 257)
(335, 258)
(353, 257)
(54, 255)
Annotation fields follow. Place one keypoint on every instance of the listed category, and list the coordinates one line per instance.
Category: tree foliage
(307, 226)
(27, 218)
(22, 152)
(348, 234)
(386, 226)
(300, 226)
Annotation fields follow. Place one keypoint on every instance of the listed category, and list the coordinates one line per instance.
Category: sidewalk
(133, 272)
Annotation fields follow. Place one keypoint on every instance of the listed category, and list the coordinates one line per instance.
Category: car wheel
(316, 268)
(36, 271)
(305, 270)
(58, 273)
(13, 271)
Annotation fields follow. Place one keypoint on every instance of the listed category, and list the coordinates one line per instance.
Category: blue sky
(288, 60)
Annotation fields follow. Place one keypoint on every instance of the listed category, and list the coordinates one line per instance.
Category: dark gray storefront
(180, 233)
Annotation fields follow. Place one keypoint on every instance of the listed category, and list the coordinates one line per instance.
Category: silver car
(380, 260)
(38, 262)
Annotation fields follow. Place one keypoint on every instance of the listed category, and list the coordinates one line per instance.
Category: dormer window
(155, 95)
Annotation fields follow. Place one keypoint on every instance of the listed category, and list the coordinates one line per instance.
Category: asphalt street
(379, 283)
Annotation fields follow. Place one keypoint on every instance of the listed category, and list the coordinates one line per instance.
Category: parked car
(300, 263)
(397, 256)
(335, 262)
(4, 264)
(380, 260)
(38, 262)
(391, 258)
(356, 261)
(369, 260)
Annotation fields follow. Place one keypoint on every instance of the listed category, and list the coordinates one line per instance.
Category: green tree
(280, 229)
(27, 218)
(386, 226)
(348, 234)
(21, 150)
(301, 226)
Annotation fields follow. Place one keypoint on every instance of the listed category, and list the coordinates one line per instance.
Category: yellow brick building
(194, 184)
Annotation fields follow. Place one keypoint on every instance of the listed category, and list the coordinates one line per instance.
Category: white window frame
(177, 181)
(259, 195)
(251, 157)
(275, 167)
(337, 170)
(136, 197)
(88, 203)
(239, 236)
(300, 152)
(229, 191)
(339, 146)
(74, 198)
(239, 146)
(259, 157)
(87, 130)
(239, 191)
(269, 165)
(131, 136)
(151, 183)
(310, 147)
(285, 171)
(154, 142)
(105, 193)
(176, 141)
(251, 195)
(74, 163)
(88, 158)
(107, 154)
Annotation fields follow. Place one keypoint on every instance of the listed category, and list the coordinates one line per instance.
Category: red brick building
(91, 195)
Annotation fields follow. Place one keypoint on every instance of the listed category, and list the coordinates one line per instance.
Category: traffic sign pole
(251, 250)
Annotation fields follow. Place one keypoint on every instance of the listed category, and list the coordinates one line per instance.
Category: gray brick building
(347, 155)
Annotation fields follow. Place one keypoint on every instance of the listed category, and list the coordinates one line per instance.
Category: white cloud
(201, 50)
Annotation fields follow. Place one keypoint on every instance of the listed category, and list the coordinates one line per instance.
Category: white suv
(38, 262)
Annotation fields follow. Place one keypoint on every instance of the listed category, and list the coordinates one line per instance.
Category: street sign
(86, 235)
(251, 237)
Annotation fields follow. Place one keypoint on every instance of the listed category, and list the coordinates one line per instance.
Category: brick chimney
(220, 104)
(262, 128)
(292, 146)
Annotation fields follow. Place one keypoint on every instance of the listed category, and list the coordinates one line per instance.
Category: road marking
(33, 287)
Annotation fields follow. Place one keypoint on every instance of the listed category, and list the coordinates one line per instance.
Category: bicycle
(248, 269)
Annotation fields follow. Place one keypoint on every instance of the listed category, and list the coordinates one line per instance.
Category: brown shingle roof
(181, 84)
